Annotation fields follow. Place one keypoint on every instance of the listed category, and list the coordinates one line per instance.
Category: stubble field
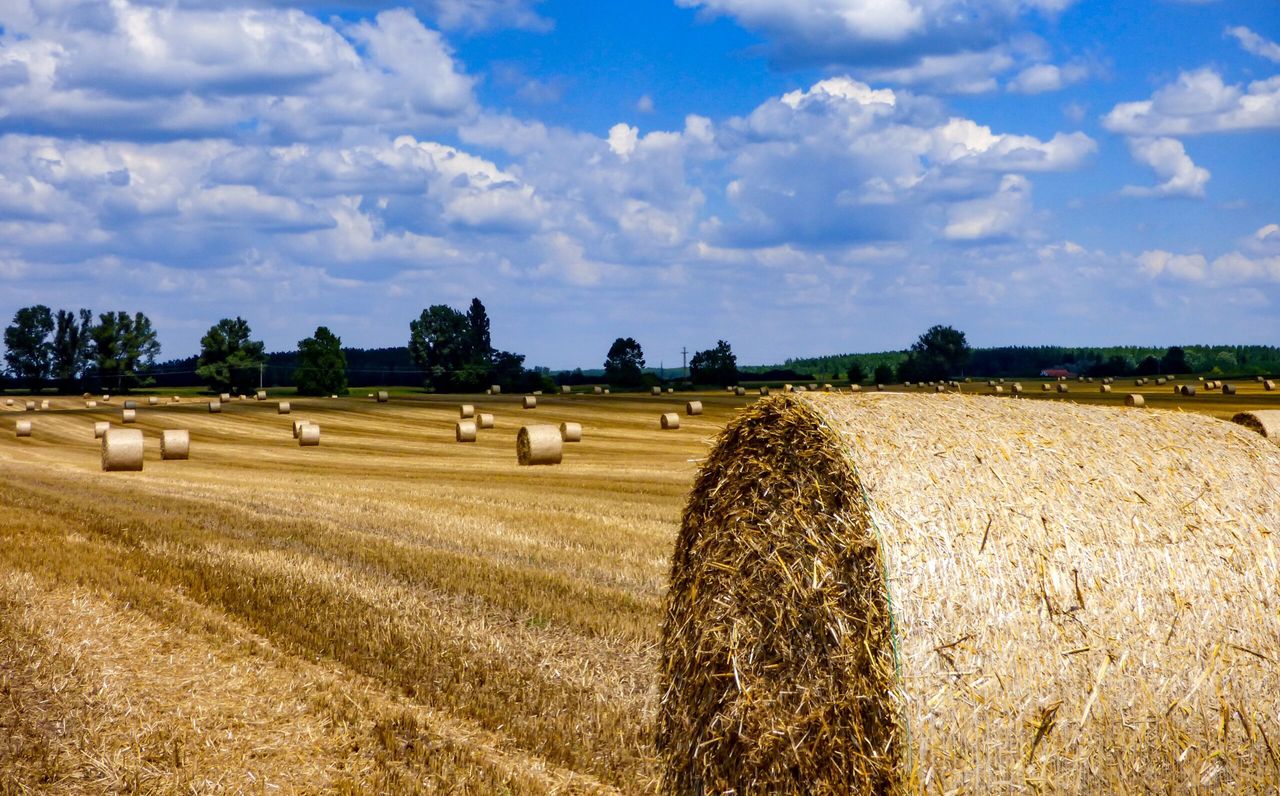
(389, 612)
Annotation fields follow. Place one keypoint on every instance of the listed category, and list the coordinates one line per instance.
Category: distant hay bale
(175, 444)
(565, 389)
(991, 382)
(225, 397)
(997, 389)
(8, 402)
(908, 384)
(597, 390)
(484, 420)
(1268, 385)
(1016, 389)
(122, 450)
(90, 404)
(788, 388)
(655, 391)
(495, 389)
(1259, 378)
(813, 385)
(1228, 389)
(309, 435)
(466, 411)
(802, 388)
(383, 397)
(1264, 421)
(1135, 400)
(242, 397)
(671, 390)
(854, 388)
(297, 427)
(739, 390)
(539, 444)
(879, 388)
(1161, 382)
(86, 396)
(669, 421)
(261, 395)
(176, 399)
(571, 432)
(283, 408)
(530, 402)
(855, 607)
(31, 406)
(1089, 380)
(939, 388)
(128, 416)
(153, 400)
(693, 408)
(764, 390)
(537, 392)
(100, 428)
(488, 391)
(1104, 388)
(827, 388)
(44, 404)
(22, 428)
(464, 431)
(1062, 387)
(1188, 390)
(106, 399)
(130, 404)
(331, 396)
(215, 407)
(606, 390)
(1045, 387)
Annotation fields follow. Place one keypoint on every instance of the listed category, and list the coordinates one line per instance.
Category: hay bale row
(899, 620)
(539, 444)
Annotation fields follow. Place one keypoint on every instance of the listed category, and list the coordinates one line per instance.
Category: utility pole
(261, 367)
(684, 361)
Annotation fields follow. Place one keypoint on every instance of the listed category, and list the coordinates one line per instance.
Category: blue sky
(801, 177)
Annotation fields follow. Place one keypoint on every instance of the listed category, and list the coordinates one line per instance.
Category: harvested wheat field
(392, 612)
(963, 595)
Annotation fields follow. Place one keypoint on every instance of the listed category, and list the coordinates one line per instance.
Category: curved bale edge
(869, 595)
(1263, 421)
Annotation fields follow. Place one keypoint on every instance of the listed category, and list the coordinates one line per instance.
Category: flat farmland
(388, 612)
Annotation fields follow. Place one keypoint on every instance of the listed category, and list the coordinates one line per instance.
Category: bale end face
(539, 444)
(297, 427)
(175, 444)
(122, 450)
(1264, 421)
(669, 421)
(464, 431)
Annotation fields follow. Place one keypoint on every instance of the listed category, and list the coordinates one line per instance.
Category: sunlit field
(391, 611)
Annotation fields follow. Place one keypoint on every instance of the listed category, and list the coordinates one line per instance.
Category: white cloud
(1189, 267)
(1255, 44)
(1000, 215)
(967, 143)
(1199, 102)
(1231, 268)
(1170, 162)
(965, 72)
(644, 104)
(1041, 78)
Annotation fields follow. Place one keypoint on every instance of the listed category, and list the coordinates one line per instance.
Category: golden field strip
(391, 612)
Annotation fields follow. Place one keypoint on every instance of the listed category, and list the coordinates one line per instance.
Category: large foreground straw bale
(464, 431)
(122, 450)
(692, 408)
(571, 432)
(22, 428)
(175, 444)
(1267, 423)
(540, 444)
(894, 594)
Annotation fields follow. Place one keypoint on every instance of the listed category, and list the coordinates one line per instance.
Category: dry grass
(390, 612)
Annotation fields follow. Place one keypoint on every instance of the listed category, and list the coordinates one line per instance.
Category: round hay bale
(283, 408)
(90, 404)
(100, 428)
(484, 420)
(530, 402)
(1161, 382)
(297, 427)
(215, 407)
(802, 388)
(606, 390)
(1259, 379)
(86, 396)
(22, 428)
(565, 389)
(464, 431)
(828, 388)
(1089, 380)
(333, 396)
(122, 450)
(31, 406)
(1062, 387)
(1228, 389)
(130, 404)
(1188, 390)
(908, 384)
(739, 390)
(1135, 400)
(670, 421)
(383, 397)
(488, 391)
(693, 408)
(44, 404)
(175, 444)
(261, 395)
(788, 388)
(1264, 421)
(8, 402)
(997, 390)
(225, 397)
(466, 411)
(242, 397)
(1201, 378)
(152, 400)
(128, 415)
(939, 388)
(764, 390)
(309, 435)
(1268, 385)
(1045, 387)
(571, 432)
(854, 607)
(671, 390)
(597, 390)
(1104, 388)
(879, 388)
(813, 385)
(176, 399)
(1016, 389)
(655, 391)
(991, 382)
(855, 388)
(540, 444)
(536, 392)
(106, 399)
(495, 389)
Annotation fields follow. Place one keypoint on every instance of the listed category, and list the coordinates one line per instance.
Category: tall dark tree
(714, 366)
(322, 365)
(479, 342)
(884, 374)
(229, 360)
(624, 364)
(124, 346)
(1175, 360)
(72, 347)
(938, 354)
(27, 349)
(857, 374)
(440, 344)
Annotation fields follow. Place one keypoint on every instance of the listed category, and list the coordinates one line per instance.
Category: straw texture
(464, 431)
(175, 444)
(1264, 421)
(571, 432)
(122, 450)
(966, 595)
(692, 408)
(540, 444)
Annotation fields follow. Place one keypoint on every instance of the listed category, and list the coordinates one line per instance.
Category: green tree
(229, 361)
(322, 365)
(72, 350)
(28, 351)
(856, 374)
(124, 346)
(1175, 360)
(479, 344)
(936, 355)
(884, 373)
(714, 366)
(1149, 366)
(624, 364)
(440, 344)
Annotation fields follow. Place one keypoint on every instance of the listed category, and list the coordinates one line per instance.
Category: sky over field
(797, 177)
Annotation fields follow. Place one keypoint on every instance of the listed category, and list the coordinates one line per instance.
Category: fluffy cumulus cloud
(1041, 78)
(1200, 102)
(1256, 260)
(1169, 160)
